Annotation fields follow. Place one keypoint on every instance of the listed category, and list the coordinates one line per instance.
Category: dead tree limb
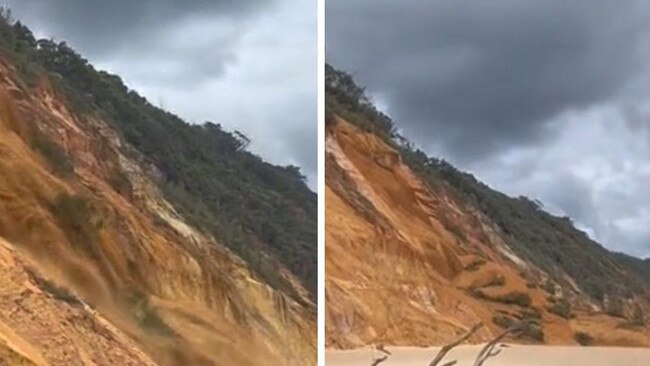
(380, 347)
(379, 360)
(448, 347)
(489, 349)
(450, 363)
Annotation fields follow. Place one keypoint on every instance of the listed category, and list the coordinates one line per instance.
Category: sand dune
(514, 355)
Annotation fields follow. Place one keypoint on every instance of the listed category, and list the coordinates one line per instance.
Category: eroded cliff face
(99, 269)
(410, 264)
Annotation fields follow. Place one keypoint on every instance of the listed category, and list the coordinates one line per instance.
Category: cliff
(103, 257)
(418, 251)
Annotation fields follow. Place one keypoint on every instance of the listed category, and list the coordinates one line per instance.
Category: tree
(25, 34)
(638, 318)
(5, 14)
(242, 139)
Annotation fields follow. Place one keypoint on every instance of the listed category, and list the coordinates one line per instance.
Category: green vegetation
(57, 158)
(635, 321)
(475, 265)
(120, 182)
(530, 314)
(547, 241)
(638, 317)
(454, 228)
(615, 307)
(515, 297)
(496, 282)
(57, 292)
(346, 99)
(264, 213)
(146, 314)
(636, 266)
(74, 214)
(549, 287)
(561, 307)
(583, 339)
(531, 331)
(511, 298)
(503, 321)
(535, 333)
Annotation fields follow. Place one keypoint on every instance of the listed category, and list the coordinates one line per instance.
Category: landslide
(417, 251)
(101, 267)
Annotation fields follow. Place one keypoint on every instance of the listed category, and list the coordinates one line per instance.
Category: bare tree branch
(450, 363)
(380, 347)
(489, 349)
(379, 360)
(493, 353)
(446, 348)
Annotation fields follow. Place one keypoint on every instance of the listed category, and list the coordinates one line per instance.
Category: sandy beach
(515, 355)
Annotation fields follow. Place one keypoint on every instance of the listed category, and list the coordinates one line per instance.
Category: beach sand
(514, 355)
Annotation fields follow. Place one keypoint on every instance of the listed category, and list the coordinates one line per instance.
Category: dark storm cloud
(99, 26)
(144, 31)
(478, 76)
(247, 64)
(548, 99)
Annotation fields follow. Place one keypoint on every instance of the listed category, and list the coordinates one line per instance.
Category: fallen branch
(446, 348)
(380, 347)
(379, 360)
(376, 361)
(450, 363)
(489, 349)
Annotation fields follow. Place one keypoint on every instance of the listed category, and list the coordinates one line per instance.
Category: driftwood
(379, 360)
(448, 347)
(450, 363)
(376, 361)
(380, 347)
(490, 350)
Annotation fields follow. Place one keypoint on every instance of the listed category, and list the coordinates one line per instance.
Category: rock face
(98, 268)
(411, 263)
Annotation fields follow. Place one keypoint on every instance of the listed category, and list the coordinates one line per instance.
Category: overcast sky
(549, 99)
(247, 64)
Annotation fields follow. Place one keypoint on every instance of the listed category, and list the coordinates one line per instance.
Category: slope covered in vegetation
(549, 242)
(128, 236)
(418, 251)
(265, 213)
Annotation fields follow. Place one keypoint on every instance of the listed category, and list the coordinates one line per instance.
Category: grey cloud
(575, 198)
(100, 26)
(478, 77)
(546, 99)
(594, 171)
(168, 34)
